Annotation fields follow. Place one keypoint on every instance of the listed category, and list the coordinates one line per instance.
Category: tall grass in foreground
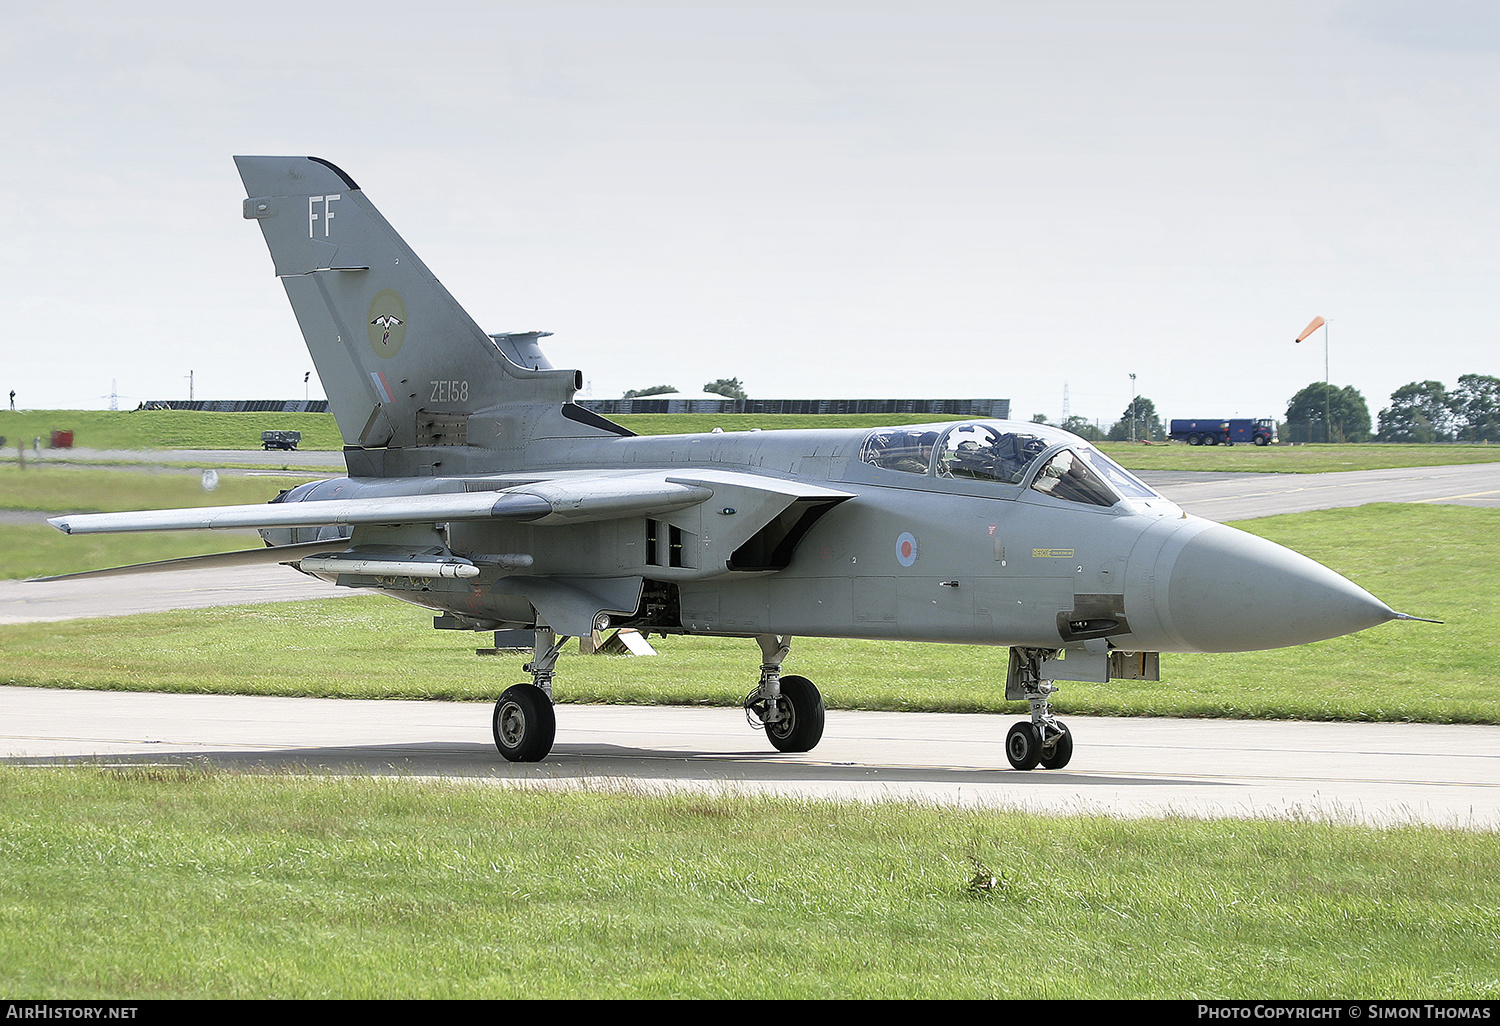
(178, 884)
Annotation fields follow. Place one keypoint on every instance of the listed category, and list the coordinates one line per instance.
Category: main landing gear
(525, 722)
(789, 708)
(1043, 740)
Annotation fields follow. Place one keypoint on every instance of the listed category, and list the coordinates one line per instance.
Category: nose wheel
(1023, 747)
(1026, 748)
(1060, 752)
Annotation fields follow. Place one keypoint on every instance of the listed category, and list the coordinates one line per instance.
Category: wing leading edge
(543, 502)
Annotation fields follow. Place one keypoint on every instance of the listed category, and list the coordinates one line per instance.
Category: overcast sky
(821, 198)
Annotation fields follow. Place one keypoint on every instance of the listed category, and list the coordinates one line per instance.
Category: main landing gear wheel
(799, 728)
(525, 723)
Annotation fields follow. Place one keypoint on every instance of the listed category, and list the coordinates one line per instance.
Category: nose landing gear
(1042, 740)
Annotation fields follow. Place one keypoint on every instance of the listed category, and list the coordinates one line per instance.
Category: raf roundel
(906, 548)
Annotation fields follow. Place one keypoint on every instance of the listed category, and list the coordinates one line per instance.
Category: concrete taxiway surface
(47, 601)
(1226, 497)
(1377, 774)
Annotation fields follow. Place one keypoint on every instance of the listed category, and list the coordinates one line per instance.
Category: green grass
(164, 429)
(41, 551)
(178, 884)
(62, 489)
(37, 550)
(1434, 561)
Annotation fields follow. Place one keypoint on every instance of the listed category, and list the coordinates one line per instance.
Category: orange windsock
(1317, 322)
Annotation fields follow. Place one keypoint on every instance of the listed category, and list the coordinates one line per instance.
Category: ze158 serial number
(449, 392)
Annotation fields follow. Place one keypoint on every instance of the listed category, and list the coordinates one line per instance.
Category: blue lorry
(1223, 432)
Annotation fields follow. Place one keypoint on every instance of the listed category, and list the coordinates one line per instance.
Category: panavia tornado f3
(479, 489)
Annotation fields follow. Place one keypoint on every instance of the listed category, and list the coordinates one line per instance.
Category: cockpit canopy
(1045, 459)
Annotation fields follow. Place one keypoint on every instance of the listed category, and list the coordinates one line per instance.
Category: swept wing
(547, 501)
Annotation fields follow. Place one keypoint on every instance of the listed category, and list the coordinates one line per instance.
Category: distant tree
(731, 387)
(1039, 418)
(1476, 408)
(1421, 411)
(653, 390)
(1322, 412)
(1084, 429)
(1138, 422)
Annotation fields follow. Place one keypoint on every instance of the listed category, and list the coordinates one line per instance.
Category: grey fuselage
(907, 555)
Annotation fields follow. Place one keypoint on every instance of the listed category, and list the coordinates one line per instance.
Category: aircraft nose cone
(1229, 591)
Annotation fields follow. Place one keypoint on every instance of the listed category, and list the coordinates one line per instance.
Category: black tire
(1022, 745)
(1262, 440)
(524, 723)
(1062, 750)
(802, 728)
(1211, 439)
(1195, 439)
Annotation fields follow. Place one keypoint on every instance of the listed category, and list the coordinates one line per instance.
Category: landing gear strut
(790, 708)
(1042, 740)
(525, 723)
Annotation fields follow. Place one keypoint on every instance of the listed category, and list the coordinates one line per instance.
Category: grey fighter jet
(479, 489)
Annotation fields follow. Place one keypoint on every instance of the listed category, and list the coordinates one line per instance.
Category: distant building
(665, 402)
(672, 402)
(239, 405)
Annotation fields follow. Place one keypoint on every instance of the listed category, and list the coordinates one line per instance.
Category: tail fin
(401, 362)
